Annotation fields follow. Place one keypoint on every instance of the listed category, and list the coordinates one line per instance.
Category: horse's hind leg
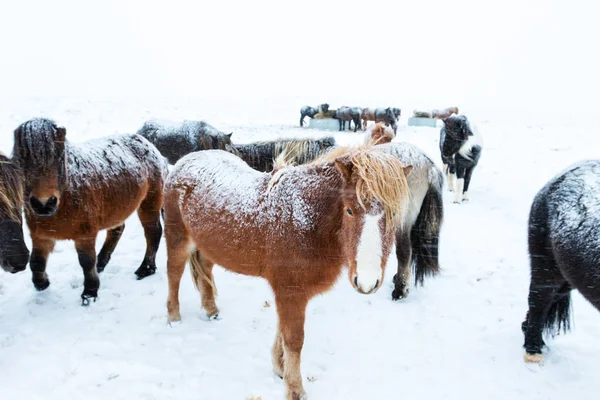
(205, 283)
(149, 214)
(112, 238)
(86, 251)
(404, 256)
(277, 354)
(178, 252)
(37, 262)
(468, 175)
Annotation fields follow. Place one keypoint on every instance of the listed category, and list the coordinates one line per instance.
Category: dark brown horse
(73, 191)
(297, 228)
(14, 254)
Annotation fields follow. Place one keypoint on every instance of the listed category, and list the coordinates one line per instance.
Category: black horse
(564, 249)
(460, 145)
(175, 140)
(261, 155)
(308, 111)
(348, 114)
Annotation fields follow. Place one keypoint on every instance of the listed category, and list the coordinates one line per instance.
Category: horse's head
(457, 127)
(324, 108)
(39, 149)
(373, 198)
(379, 135)
(389, 113)
(14, 253)
(396, 112)
(227, 145)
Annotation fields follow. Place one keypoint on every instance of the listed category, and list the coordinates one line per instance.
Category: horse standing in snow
(308, 111)
(564, 249)
(417, 239)
(175, 140)
(261, 155)
(460, 146)
(297, 228)
(73, 191)
(385, 115)
(14, 254)
(348, 114)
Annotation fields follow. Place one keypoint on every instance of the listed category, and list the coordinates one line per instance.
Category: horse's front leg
(86, 251)
(37, 262)
(277, 354)
(291, 309)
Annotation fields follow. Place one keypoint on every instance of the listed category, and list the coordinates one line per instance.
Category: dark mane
(260, 155)
(35, 143)
(11, 189)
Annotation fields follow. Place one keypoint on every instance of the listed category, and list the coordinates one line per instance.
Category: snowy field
(459, 337)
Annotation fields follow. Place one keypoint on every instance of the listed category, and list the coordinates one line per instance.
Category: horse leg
(451, 175)
(301, 120)
(205, 283)
(291, 310)
(468, 175)
(404, 256)
(460, 182)
(37, 262)
(86, 251)
(277, 354)
(177, 255)
(364, 124)
(149, 214)
(112, 238)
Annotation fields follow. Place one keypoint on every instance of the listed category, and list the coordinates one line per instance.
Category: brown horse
(73, 191)
(380, 134)
(14, 254)
(296, 227)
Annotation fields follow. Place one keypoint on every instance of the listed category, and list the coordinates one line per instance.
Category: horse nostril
(52, 201)
(356, 282)
(35, 203)
(376, 284)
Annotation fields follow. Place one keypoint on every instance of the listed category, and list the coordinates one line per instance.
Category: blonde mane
(380, 176)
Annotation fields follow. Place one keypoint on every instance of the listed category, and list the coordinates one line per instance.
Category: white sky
(526, 53)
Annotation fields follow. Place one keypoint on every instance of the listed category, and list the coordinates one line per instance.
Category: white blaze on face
(369, 254)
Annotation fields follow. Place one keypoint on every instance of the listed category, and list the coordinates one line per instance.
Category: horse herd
(294, 212)
(389, 116)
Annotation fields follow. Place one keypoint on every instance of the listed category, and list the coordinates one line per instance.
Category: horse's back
(565, 214)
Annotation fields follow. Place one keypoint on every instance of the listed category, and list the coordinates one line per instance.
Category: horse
(563, 249)
(324, 112)
(444, 113)
(72, 191)
(417, 239)
(261, 155)
(379, 135)
(396, 112)
(296, 228)
(14, 254)
(174, 140)
(308, 111)
(460, 147)
(348, 114)
(385, 115)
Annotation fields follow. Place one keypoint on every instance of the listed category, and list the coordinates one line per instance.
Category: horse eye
(349, 211)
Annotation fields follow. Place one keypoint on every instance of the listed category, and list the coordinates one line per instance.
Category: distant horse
(348, 114)
(174, 140)
(445, 113)
(417, 240)
(564, 227)
(14, 254)
(396, 112)
(385, 115)
(380, 134)
(261, 155)
(324, 112)
(297, 228)
(460, 146)
(73, 191)
(308, 111)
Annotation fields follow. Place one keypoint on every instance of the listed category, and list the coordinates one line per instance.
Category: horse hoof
(41, 285)
(533, 358)
(144, 271)
(85, 299)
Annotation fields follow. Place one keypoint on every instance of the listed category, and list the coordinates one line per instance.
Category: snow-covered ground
(458, 337)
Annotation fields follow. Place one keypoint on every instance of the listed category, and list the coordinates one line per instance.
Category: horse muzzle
(44, 208)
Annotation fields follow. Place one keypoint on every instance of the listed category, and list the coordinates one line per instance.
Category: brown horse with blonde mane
(72, 191)
(296, 227)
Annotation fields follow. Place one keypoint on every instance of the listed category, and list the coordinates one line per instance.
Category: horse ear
(229, 135)
(345, 166)
(407, 169)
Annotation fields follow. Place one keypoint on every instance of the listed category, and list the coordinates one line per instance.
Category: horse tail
(198, 273)
(558, 317)
(425, 234)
